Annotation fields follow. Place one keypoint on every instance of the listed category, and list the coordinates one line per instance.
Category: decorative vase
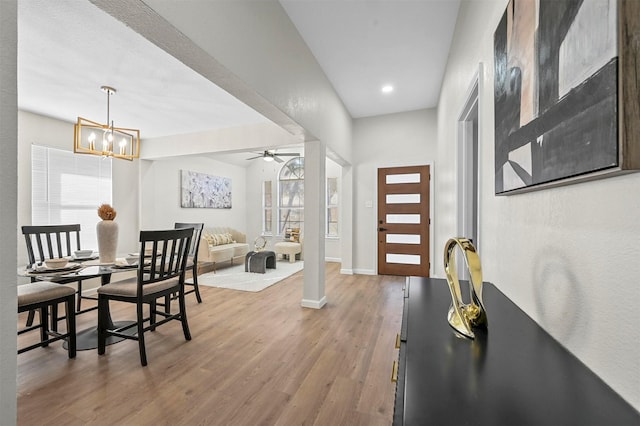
(107, 232)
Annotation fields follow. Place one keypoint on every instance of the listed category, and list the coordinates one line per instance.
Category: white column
(315, 153)
(346, 221)
(8, 206)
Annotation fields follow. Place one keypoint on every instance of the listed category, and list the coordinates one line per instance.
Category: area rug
(235, 278)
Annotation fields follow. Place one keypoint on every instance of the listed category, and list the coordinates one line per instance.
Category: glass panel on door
(403, 239)
(403, 178)
(403, 218)
(403, 198)
(407, 259)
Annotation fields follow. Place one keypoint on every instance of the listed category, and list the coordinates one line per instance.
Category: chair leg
(44, 325)
(143, 352)
(71, 326)
(31, 317)
(152, 313)
(79, 302)
(183, 316)
(167, 303)
(103, 306)
(194, 273)
(54, 317)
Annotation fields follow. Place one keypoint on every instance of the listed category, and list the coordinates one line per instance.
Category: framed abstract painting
(199, 190)
(565, 92)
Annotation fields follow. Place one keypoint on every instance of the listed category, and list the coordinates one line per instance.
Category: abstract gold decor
(464, 317)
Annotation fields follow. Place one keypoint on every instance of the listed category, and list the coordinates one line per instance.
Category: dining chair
(192, 259)
(53, 241)
(41, 296)
(159, 275)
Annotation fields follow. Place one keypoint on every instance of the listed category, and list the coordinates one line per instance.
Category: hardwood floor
(255, 359)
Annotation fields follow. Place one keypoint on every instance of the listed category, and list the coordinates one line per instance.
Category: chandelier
(105, 139)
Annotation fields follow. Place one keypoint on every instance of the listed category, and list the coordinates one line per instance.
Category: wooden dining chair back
(192, 260)
(42, 296)
(161, 270)
(53, 241)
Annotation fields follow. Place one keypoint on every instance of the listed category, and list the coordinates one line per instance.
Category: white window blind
(68, 188)
(332, 207)
(267, 208)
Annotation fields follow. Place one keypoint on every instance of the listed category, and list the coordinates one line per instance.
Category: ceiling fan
(269, 155)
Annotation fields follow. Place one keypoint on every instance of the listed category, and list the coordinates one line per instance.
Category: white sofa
(219, 245)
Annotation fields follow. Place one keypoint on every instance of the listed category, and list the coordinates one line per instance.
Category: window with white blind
(68, 188)
(332, 207)
(267, 208)
(291, 195)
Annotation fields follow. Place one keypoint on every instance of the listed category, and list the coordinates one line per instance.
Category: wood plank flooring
(255, 359)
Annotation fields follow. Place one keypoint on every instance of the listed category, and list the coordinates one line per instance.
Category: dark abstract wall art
(556, 91)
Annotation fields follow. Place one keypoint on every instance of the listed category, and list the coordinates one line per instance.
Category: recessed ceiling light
(387, 89)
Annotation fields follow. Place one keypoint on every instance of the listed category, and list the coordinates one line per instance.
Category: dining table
(86, 339)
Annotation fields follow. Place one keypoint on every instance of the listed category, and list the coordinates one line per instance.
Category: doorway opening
(469, 164)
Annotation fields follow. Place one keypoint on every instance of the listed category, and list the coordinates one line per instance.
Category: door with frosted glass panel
(403, 221)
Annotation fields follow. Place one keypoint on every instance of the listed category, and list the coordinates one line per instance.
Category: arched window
(291, 195)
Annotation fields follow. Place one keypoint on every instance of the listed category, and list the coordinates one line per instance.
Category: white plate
(66, 268)
(92, 257)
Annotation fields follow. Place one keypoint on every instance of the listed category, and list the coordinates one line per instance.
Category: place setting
(53, 266)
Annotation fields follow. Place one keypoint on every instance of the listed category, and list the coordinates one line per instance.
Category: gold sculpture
(463, 317)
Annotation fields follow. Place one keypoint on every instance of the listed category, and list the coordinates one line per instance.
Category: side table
(259, 261)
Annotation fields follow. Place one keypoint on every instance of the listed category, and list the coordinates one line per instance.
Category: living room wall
(568, 256)
(160, 193)
(403, 139)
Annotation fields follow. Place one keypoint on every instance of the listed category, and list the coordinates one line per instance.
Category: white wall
(403, 139)
(160, 189)
(567, 256)
(40, 130)
(8, 214)
(275, 61)
(250, 137)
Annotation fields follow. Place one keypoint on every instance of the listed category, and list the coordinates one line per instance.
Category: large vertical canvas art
(556, 91)
(205, 191)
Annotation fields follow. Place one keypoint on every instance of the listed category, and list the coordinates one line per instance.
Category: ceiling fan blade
(278, 159)
(253, 158)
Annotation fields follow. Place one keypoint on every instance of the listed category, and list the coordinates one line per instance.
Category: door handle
(382, 229)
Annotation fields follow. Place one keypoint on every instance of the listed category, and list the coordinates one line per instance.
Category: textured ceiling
(67, 49)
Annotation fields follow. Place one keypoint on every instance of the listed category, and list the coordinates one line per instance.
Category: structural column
(8, 206)
(315, 153)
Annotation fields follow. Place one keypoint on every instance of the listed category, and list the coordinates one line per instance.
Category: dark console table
(514, 374)
(259, 261)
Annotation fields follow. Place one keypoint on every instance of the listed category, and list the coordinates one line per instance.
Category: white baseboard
(314, 304)
(333, 259)
(346, 271)
(364, 272)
